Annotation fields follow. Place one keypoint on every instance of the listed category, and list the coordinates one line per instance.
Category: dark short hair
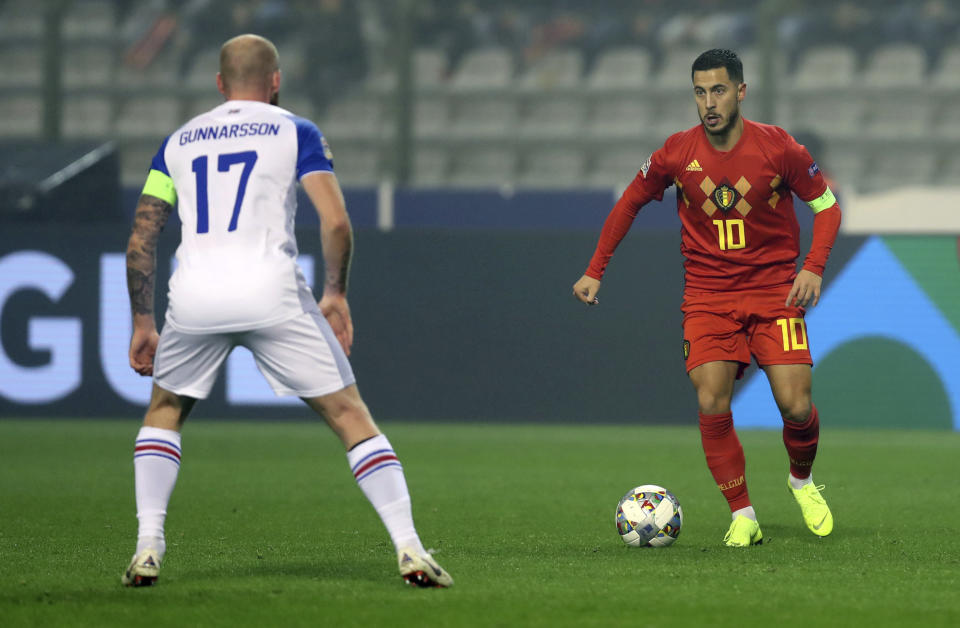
(719, 58)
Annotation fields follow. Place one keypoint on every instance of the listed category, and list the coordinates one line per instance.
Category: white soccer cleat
(420, 570)
(144, 569)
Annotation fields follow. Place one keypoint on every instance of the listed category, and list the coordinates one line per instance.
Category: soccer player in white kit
(233, 172)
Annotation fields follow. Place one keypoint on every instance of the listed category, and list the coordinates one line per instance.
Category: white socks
(156, 461)
(798, 483)
(747, 512)
(380, 476)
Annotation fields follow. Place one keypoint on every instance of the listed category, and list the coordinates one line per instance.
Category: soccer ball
(649, 516)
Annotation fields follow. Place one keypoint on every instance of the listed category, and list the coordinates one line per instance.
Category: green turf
(267, 528)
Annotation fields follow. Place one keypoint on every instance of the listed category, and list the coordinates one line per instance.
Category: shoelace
(814, 496)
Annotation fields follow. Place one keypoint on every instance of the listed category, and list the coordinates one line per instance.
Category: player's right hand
(586, 290)
(143, 346)
(336, 310)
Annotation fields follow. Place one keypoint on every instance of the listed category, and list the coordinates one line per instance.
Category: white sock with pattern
(380, 476)
(156, 461)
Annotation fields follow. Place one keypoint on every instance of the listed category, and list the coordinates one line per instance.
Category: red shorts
(737, 325)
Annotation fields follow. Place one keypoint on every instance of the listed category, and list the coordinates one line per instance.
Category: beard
(275, 99)
(725, 129)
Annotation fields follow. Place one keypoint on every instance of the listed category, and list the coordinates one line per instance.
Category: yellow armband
(161, 186)
(822, 202)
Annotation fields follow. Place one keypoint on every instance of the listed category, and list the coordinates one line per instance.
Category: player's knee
(712, 403)
(797, 410)
(340, 406)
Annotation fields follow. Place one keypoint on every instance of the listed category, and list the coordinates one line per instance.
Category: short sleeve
(159, 162)
(313, 152)
(159, 183)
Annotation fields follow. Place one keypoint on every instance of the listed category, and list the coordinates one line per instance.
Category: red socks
(801, 442)
(725, 457)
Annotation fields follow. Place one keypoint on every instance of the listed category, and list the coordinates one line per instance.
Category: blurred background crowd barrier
(480, 145)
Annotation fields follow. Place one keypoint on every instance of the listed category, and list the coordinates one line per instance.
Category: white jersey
(234, 171)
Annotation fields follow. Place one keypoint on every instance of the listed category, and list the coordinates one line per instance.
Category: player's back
(235, 172)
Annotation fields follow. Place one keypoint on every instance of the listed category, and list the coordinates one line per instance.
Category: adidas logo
(694, 166)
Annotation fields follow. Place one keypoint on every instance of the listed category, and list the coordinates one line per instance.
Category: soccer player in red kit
(742, 295)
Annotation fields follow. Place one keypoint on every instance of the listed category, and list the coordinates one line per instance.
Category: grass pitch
(267, 528)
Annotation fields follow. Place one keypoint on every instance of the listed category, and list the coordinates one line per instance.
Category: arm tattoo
(151, 215)
(338, 274)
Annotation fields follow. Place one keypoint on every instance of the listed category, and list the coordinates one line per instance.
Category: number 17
(224, 163)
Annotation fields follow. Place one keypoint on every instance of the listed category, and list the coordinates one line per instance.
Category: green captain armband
(161, 186)
(822, 202)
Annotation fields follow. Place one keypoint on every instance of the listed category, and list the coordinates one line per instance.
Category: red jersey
(739, 229)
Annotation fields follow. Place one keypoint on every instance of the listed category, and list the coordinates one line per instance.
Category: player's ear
(741, 92)
(220, 85)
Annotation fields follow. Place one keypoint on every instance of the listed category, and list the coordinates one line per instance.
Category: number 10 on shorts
(794, 332)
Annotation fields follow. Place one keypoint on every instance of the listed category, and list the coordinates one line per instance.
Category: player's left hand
(806, 287)
(336, 310)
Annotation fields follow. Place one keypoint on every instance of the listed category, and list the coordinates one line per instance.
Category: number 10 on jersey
(730, 234)
(225, 161)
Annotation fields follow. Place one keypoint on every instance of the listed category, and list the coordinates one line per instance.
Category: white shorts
(299, 357)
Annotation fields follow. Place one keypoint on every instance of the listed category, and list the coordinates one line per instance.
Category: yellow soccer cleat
(816, 513)
(743, 532)
(420, 570)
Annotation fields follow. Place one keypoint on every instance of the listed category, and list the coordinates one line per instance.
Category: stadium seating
(888, 169)
(430, 117)
(904, 117)
(485, 68)
(837, 116)
(552, 168)
(21, 20)
(200, 76)
(557, 69)
(430, 165)
(353, 118)
(89, 67)
(495, 112)
(623, 68)
(21, 116)
(674, 72)
(135, 158)
(621, 118)
(87, 117)
(826, 67)
(895, 65)
(947, 72)
(483, 166)
(548, 118)
(22, 66)
(485, 118)
(92, 20)
(429, 67)
(144, 117)
(162, 74)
